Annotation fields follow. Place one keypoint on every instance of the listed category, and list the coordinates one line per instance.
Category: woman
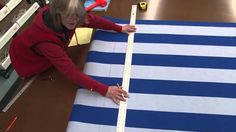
(44, 44)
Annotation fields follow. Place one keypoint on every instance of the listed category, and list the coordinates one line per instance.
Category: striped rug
(183, 78)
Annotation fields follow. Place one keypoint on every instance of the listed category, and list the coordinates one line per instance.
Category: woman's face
(69, 20)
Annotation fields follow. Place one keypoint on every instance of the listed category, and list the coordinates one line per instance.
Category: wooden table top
(46, 105)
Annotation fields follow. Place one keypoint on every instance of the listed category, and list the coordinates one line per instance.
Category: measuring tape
(142, 6)
(120, 127)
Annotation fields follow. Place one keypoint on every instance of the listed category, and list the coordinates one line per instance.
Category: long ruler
(120, 127)
(19, 93)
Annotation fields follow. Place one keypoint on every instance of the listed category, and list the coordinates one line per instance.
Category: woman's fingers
(125, 94)
(121, 97)
(116, 101)
(131, 28)
(128, 28)
(117, 94)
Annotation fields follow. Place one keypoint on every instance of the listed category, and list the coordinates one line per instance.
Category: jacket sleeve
(94, 21)
(59, 58)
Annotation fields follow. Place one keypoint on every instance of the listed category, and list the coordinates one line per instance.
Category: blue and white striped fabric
(183, 78)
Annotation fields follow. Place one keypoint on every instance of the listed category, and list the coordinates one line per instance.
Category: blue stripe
(155, 119)
(180, 23)
(184, 61)
(167, 87)
(167, 38)
(102, 57)
(110, 36)
(185, 39)
(94, 115)
(164, 60)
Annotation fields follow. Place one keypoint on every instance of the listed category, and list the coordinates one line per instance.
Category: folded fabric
(83, 36)
(183, 78)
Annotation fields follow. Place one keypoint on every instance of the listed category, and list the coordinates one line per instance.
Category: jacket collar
(44, 22)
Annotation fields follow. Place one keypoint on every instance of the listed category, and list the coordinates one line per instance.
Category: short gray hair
(57, 7)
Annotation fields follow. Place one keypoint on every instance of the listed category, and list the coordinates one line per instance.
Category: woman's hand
(116, 94)
(128, 28)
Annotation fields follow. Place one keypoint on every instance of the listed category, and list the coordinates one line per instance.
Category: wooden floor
(45, 106)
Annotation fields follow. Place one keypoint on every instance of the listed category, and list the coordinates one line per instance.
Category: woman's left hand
(116, 94)
(128, 28)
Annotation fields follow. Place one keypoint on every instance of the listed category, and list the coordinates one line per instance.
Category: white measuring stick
(19, 93)
(120, 127)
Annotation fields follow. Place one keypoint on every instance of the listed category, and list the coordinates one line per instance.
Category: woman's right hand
(116, 94)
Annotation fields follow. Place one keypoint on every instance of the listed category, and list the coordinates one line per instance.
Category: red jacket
(39, 47)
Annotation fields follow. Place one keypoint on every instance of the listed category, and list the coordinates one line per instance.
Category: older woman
(44, 44)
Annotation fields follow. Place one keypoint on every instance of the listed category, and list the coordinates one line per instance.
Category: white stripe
(167, 103)
(166, 49)
(185, 30)
(74, 126)
(163, 73)
(88, 98)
